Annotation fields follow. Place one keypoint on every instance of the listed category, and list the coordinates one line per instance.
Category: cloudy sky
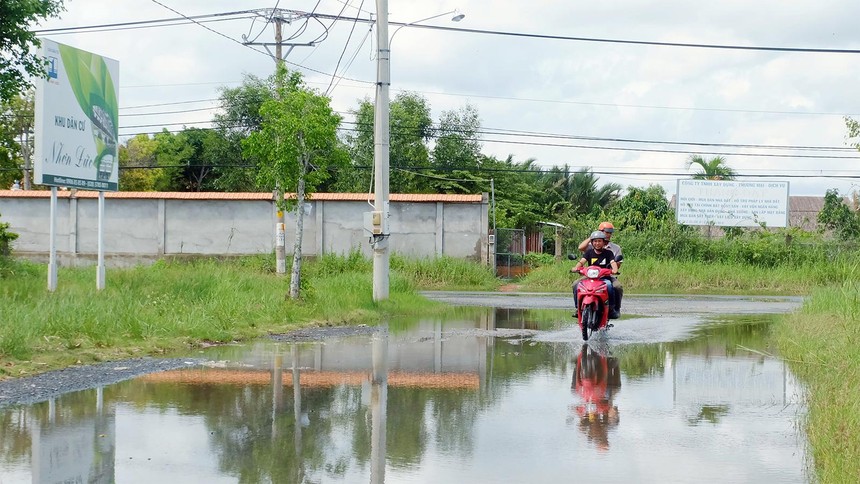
(552, 92)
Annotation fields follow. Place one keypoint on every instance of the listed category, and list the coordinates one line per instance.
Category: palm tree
(578, 192)
(713, 169)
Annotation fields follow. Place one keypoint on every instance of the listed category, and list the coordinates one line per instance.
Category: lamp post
(381, 143)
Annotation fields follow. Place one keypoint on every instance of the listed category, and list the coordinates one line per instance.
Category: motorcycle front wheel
(589, 315)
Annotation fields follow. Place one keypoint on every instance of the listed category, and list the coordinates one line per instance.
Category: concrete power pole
(381, 133)
(277, 17)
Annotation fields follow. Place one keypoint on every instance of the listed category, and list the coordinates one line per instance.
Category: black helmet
(598, 235)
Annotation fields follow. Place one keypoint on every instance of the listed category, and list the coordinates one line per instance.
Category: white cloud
(606, 90)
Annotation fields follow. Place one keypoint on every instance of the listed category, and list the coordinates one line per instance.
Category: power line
(552, 101)
(184, 20)
(345, 46)
(538, 172)
(633, 42)
(243, 45)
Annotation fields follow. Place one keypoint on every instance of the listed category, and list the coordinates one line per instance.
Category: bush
(537, 259)
(6, 238)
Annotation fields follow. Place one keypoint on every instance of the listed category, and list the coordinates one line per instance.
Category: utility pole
(277, 17)
(381, 133)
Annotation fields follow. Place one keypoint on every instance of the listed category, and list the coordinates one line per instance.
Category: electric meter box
(375, 223)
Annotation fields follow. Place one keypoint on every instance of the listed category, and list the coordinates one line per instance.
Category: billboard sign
(732, 203)
(77, 120)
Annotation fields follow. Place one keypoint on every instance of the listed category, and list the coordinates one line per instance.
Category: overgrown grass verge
(171, 306)
(680, 277)
(821, 344)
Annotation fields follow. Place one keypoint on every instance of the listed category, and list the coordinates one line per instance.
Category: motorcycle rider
(608, 229)
(601, 257)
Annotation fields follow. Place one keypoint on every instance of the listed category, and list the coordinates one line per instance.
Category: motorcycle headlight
(592, 273)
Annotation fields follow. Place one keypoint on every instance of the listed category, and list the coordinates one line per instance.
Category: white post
(100, 271)
(280, 245)
(52, 244)
(380, 151)
(379, 406)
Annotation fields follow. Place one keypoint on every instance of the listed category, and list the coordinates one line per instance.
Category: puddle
(486, 395)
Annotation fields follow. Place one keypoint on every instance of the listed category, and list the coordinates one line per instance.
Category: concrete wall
(145, 226)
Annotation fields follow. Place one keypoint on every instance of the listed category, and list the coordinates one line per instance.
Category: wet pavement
(692, 392)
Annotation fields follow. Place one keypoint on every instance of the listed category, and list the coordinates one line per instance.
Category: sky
(557, 91)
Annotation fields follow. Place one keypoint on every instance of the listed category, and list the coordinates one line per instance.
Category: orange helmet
(606, 225)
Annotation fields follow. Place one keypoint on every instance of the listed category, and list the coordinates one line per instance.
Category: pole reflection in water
(596, 381)
(277, 390)
(297, 413)
(76, 442)
(378, 405)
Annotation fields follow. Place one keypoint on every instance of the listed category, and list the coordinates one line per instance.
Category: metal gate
(510, 252)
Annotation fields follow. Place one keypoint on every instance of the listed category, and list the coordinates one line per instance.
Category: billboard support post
(100, 271)
(52, 244)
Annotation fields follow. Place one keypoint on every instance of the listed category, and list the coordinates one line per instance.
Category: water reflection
(431, 400)
(596, 380)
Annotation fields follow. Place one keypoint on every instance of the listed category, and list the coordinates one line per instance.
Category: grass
(643, 276)
(171, 306)
(821, 344)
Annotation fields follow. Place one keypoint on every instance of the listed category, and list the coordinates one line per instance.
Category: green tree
(16, 139)
(137, 162)
(297, 143)
(411, 129)
(585, 196)
(836, 215)
(458, 143)
(517, 191)
(18, 55)
(239, 117)
(642, 208)
(713, 169)
(853, 130)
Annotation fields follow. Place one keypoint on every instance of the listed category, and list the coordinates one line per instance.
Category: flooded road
(484, 394)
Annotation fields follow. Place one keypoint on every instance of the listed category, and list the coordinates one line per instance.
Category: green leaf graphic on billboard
(93, 87)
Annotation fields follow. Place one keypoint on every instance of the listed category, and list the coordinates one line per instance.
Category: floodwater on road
(485, 395)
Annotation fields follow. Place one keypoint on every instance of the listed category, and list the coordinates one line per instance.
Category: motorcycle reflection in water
(596, 381)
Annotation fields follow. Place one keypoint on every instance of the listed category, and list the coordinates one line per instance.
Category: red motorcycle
(593, 304)
(596, 380)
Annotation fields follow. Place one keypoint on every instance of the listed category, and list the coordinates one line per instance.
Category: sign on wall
(77, 114)
(732, 203)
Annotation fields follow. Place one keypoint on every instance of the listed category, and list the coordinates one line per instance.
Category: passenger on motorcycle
(601, 257)
(608, 229)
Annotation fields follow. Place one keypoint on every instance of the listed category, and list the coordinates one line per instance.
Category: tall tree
(137, 162)
(18, 55)
(411, 130)
(16, 138)
(642, 208)
(296, 144)
(583, 195)
(517, 191)
(713, 169)
(239, 117)
(458, 143)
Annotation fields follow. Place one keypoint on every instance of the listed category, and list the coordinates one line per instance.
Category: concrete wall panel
(150, 227)
(130, 226)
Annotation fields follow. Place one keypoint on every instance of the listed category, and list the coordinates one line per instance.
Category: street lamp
(381, 142)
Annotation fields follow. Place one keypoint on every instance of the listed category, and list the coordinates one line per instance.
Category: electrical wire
(352, 59)
(184, 19)
(243, 45)
(342, 52)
